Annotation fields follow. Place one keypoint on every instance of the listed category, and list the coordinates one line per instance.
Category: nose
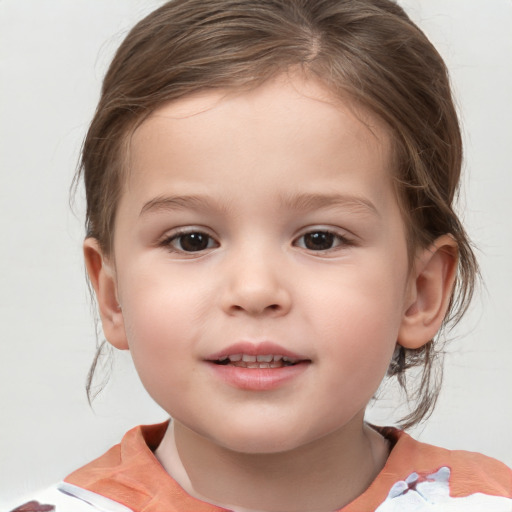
(256, 285)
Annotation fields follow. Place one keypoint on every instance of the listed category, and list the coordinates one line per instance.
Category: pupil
(319, 241)
(194, 242)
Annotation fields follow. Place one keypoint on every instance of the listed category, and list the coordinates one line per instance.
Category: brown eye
(322, 240)
(192, 242)
(319, 240)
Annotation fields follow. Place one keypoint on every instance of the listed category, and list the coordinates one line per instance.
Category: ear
(430, 290)
(102, 277)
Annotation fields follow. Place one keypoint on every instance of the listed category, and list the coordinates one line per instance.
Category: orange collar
(130, 474)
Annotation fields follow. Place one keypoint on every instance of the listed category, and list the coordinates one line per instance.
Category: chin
(262, 439)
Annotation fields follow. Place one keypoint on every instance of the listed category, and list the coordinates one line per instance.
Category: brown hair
(368, 49)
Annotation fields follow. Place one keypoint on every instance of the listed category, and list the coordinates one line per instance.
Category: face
(261, 263)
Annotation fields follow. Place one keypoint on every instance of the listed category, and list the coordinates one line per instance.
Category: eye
(321, 240)
(192, 241)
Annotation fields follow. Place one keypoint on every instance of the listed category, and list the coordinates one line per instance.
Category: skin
(268, 170)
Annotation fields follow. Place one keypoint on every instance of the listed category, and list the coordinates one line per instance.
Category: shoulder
(468, 470)
(97, 486)
(419, 476)
(65, 497)
(129, 473)
(127, 478)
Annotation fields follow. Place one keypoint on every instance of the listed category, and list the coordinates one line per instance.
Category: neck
(322, 476)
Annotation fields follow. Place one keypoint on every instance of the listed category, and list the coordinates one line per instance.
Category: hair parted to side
(368, 50)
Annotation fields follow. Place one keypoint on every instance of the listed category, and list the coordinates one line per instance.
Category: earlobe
(430, 290)
(102, 277)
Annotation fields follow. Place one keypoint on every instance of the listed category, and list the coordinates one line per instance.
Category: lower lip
(258, 379)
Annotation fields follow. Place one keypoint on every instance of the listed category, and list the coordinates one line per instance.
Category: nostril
(256, 300)
(255, 310)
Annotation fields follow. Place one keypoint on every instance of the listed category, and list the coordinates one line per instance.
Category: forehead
(289, 127)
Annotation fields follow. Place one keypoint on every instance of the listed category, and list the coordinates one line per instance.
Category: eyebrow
(171, 203)
(304, 201)
(314, 201)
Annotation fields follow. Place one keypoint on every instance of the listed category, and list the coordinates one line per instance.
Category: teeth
(260, 361)
(264, 359)
(261, 365)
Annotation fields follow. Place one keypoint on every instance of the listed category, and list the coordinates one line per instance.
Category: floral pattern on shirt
(431, 493)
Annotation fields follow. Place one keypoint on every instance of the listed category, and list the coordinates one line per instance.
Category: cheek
(366, 298)
(360, 315)
(162, 326)
(362, 339)
(360, 347)
(158, 302)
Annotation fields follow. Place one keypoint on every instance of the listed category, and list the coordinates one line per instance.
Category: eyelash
(328, 235)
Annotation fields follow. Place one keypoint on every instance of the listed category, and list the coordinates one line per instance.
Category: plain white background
(52, 57)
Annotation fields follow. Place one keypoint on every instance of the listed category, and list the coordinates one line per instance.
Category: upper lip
(264, 348)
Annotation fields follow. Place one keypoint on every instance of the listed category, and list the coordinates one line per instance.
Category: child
(269, 232)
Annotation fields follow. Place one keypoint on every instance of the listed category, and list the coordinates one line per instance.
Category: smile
(259, 361)
(264, 371)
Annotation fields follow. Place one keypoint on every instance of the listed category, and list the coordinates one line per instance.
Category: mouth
(257, 361)
(253, 366)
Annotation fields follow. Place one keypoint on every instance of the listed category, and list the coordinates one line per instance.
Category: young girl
(270, 232)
